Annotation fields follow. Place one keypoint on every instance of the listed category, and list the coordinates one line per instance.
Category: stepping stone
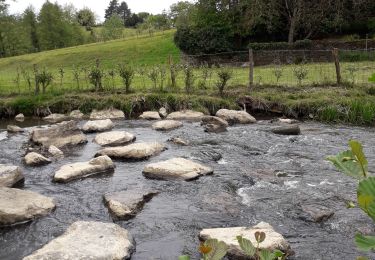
(272, 242)
(188, 115)
(55, 118)
(98, 126)
(138, 151)
(14, 129)
(126, 204)
(10, 175)
(163, 112)
(55, 152)
(213, 124)
(20, 117)
(69, 172)
(107, 114)
(178, 141)
(288, 121)
(236, 117)
(114, 138)
(59, 135)
(19, 206)
(35, 159)
(287, 130)
(88, 240)
(166, 125)
(176, 169)
(76, 114)
(150, 115)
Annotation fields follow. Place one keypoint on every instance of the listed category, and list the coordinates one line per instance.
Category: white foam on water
(222, 161)
(3, 136)
(291, 184)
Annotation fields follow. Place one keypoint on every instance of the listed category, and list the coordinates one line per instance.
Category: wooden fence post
(251, 71)
(335, 54)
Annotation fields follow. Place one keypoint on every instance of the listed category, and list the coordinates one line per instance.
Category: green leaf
(184, 257)
(365, 243)
(219, 249)
(346, 163)
(278, 253)
(357, 150)
(366, 196)
(362, 258)
(350, 204)
(266, 255)
(246, 246)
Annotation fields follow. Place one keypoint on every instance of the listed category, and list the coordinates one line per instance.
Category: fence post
(251, 71)
(335, 54)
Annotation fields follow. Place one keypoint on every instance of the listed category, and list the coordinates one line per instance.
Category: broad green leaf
(366, 196)
(278, 253)
(346, 163)
(246, 246)
(219, 249)
(357, 151)
(266, 255)
(184, 257)
(365, 243)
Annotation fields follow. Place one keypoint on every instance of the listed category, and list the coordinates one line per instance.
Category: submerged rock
(166, 125)
(288, 121)
(189, 115)
(272, 242)
(316, 213)
(35, 159)
(10, 175)
(126, 204)
(55, 152)
(114, 138)
(107, 114)
(59, 135)
(179, 141)
(213, 124)
(236, 117)
(76, 114)
(20, 117)
(287, 130)
(14, 129)
(98, 126)
(163, 112)
(138, 151)
(176, 168)
(18, 206)
(55, 118)
(102, 164)
(150, 115)
(88, 240)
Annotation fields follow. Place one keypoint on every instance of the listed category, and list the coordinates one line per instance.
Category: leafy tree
(86, 18)
(112, 28)
(30, 24)
(179, 13)
(112, 9)
(124, 12)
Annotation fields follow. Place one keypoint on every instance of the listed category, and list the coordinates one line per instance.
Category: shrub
(174, 70)
(224, 75)
(44, 78)
(27, 77)
(126, 72)
(95, 76)
(300, 72)
(189, 78)
(153, 75)
(206, 76)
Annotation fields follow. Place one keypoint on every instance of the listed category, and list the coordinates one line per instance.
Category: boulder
(35, 159)
(213, 124)
(10, 175)
(76, 114)
(287, 130)
(20, 117)
(14, 129)
(60, 135)
(166, 125)
(114, 138)
(69, 172)
(18, 206)
(98, 126)
(150, 115)
(316, 213)
(236, 117)
(126, 204)
(186, 115)
(88, 240)
(176, 168)
(55, 118)
(163, 112)
(107, 114)
(55, 152)
(179, 141)
(272, 242)
(138, 151)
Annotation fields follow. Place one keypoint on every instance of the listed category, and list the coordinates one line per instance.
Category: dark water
(169, 224)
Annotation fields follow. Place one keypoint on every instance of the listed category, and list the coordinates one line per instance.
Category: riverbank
(332, 104)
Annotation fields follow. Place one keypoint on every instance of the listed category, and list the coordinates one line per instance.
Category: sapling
(126, 72)
(76, 74)
(163, 75)
(189, 78)
(153, 75)
(61, 75)
(27, 77)
(300, 72)
(96, 76)
(45, 79)
(224, 75)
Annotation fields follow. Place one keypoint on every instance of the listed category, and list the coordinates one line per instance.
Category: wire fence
(280, 67)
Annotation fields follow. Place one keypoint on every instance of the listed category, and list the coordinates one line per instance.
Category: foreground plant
(353, 163)
(126, 72)
(224, 75)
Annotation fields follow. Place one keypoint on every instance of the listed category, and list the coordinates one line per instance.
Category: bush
(300, 44)
(96, 76)
(224, 75)
(126, 72)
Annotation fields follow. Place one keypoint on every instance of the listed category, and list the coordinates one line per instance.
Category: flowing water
(243, 190)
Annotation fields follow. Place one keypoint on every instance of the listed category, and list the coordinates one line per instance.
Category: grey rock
(14, 129)
(235, 117)
(163, 112)
(98, 126)
(287, 130)
(35, 159)
(188, 115)
(213, 124)
(114, 138)
(10, 175)
(166, 125)
(107, 114)
(55, 118)
(150, 115)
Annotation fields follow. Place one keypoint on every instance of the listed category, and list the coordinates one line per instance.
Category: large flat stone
(76, 114)
(235, 117)
(214, 124)
(137, 151)
(114, 138)
(102, 164)
(126, 204)
(107, 114)
(176, 168)
(166, 125)
(188, 115)
(98, 126)
(55, 118)
(18, 206)
(88, 240)
(59, 135)
(272, 242)
(10, 175)
(150, 115)
(14, 129)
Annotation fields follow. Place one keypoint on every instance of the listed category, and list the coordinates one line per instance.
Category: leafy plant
(351, 71)
(277, 71)
(96, 75)
(206, 76)
(17, 80)
(224, 75)
(76, 74)
(174, 70)
(43, 78)
(372, 78)
(353, 163)
(153, 75)
(212, 249)
(27, 77)
(189, 78)
(300, 72)
(126, 72)
(163, 75)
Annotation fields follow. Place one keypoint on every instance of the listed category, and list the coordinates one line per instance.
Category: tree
(124, 12)
(30, 24)
(112, 9)
(112, 28)
(179, 13)
(86, 18)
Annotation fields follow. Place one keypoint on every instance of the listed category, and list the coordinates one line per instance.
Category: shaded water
(242, 192)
